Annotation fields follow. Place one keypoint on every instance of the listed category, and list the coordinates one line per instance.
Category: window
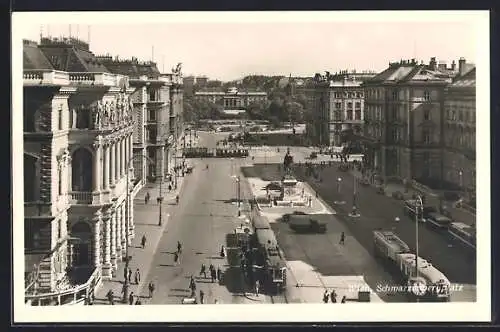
(338, 105)
(358, 105)
(59, 229)
(394, 113)
(395, 95)
(357, 115)
(427, 115)
(337, 116)
(359, 95)
(394, 135)
(427, 95)
(349, 105)
(60, 118)
(461, 116)
(454, 115)
(152, 115)
(152, 95)
(426, 136)
(338, 95)
(349, 115)
(59, 180)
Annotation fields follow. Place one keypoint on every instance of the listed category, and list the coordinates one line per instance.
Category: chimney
(442, 66)
(461, 66)
(433, 63)
(453, 65)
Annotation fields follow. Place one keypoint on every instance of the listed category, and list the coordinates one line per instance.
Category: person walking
(219, 274)
(257, 286)
(192, 286)
(333, 296)
(146, 198)
(176, 258)
(342, 238)
(129, 275)
(143, 241)
(179, 247)
(111, 297)
(138, 302)
(344, 299)
(131, 298)
(202, 295)
(222, 252)
(325, 296)
(213, 275)
(137, 276)
(203, 271)
(151, 288)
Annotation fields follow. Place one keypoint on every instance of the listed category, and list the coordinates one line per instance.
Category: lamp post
(418, 200)
(238, 184)
(460, 174)
(339, 183)
(354, 211)
(127, 239)
(160, 201)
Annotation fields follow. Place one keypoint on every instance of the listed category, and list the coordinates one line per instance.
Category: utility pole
(160, 201)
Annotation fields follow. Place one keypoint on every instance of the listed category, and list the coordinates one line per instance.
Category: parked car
(313, 155)
(438, 221)
(410, 210)
(274, 186)
(306, 224)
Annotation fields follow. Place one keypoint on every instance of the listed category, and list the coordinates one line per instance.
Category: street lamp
(354, 211)
(238, 192)
(127, 238)
(418, 200)
(339, 182)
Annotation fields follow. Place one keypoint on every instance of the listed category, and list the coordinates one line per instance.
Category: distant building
(201, 81)
(189, 83)
(232, 98)
(460, 130)
(156, 129)
(403, 131)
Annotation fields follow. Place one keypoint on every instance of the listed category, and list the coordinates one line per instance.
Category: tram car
(429, 284)
(268, 265)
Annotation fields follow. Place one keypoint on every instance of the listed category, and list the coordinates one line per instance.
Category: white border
(479, 311)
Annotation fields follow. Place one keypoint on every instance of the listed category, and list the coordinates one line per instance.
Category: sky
(229, 46)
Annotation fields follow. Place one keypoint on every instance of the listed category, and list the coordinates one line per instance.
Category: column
(118, 235)
(106, 167)
(124, 230)
(113, 241)
(106, 269)
(131, 216)
(97, 168)
(117, 162)
(112, 164)
(97, 240)
(127, 157)
(120, 168)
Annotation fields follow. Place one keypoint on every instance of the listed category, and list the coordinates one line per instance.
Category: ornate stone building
(78, 128)
(157, 115)
(460, 130)
(232, 99)
(403, 131)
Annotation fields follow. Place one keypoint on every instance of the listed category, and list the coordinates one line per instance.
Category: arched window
(82, 119)
(30, 178)
(81, 165)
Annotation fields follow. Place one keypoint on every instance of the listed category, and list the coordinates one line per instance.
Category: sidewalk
(146, 223)
(457, 214)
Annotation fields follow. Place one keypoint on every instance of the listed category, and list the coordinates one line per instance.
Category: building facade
(460, 132)
(78, 128)
(231, 99)
(404, 136)
(156, 116)
(337, 103)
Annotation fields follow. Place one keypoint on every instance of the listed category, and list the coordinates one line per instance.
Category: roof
(260, 223)
(67, 57)
(266, 238)
(466, 80)
(411, 72)
(33, 58)
(426, 269)
(393, 240)
(131, 68)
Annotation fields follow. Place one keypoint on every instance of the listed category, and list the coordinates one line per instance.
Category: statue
(106, 113)
(130, 105)
(112, 112)
(97, 110)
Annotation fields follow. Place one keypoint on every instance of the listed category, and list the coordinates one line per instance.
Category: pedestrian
(257, 286)
(310, 201)
(202, 295)
(333, 296)
(342, 238)
(176, 258)
(203, 271)
(131, 298)
(213, 275)
(179, 247)
(192, 286)
(111, 297)
(151, 288)
(344, 299)
(219, 274)
(325, 296)
(143, 241)
(137, 276)
(123, 288)
(169, 187)
(138, 302)
(222, 252)
(146, 198)
(129, 275)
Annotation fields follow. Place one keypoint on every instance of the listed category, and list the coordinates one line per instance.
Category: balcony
(73, 295)
(45, 77)
(95, 79)
(80, 197)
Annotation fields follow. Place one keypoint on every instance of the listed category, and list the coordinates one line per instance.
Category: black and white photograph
(251, 166)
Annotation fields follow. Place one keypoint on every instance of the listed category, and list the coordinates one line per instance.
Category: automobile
(306, 224)
(288, 216)
(189, 168)
(438, 221)
(313, 155)
(410, 209)
(273, 186)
